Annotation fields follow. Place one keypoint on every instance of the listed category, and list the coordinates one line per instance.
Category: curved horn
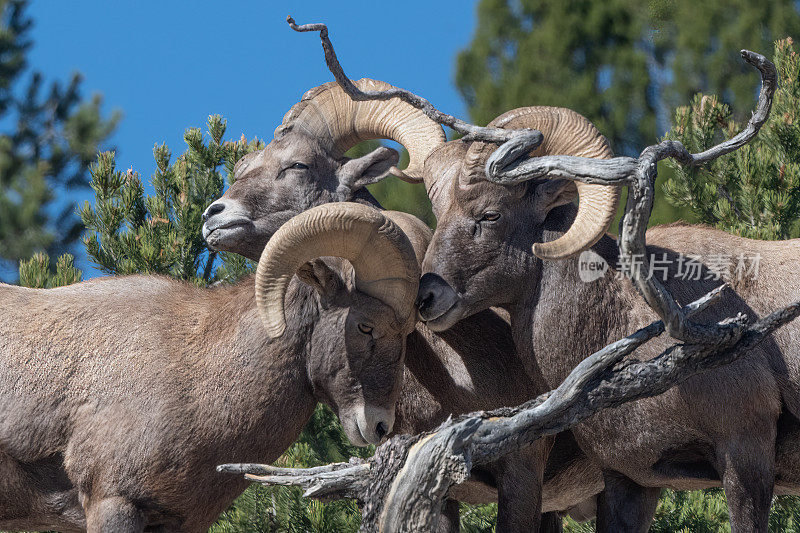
(565, 133)
(382, 257)
(330, 115)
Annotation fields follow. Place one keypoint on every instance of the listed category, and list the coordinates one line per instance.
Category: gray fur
(472, 367)
(718, 428)
(119, 396)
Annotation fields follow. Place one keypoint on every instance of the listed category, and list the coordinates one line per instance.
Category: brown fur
(471, 367)
(703, 433)
(119, 396)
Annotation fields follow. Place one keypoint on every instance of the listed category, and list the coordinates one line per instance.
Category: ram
(119, 396)
(470, 367)
(500, 245)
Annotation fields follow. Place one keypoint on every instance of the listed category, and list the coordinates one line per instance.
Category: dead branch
(404, 485)
(470, 131)
(510, 164)
(640, 176)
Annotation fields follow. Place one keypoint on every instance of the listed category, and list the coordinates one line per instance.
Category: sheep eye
(490, 216)
(299, 166)
(365, 329)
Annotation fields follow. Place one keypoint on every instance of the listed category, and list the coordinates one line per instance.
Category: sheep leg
(16, 496)
(450, 519)
(551, 523)
(747, 472)
(114, 515)
(624, 505)
(519, 488)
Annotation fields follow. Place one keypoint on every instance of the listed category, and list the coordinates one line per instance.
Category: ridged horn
(381, 254)
(328, 114)
(565, 133)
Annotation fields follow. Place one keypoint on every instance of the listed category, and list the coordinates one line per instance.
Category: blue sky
(167, 65)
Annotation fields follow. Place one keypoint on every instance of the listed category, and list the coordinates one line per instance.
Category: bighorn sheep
(119, 396)
(472, 366)
(717, 428)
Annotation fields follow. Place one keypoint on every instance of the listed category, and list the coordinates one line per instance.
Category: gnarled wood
(406, 483)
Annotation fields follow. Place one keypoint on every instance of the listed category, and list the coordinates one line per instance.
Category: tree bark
(405, 485)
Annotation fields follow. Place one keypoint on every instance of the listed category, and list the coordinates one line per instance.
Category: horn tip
(397, 173)
(543, 251)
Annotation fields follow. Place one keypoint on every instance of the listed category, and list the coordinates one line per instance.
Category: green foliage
(266, 510)
(131, 232)
(622, 63)
(398, 195)
(36, 273)
(53, 136)
(698, 511)
(700, 41)
(755, 191)
(704, 511)
(785, 514)
(478, 518)
(272, 509)
(579, 54)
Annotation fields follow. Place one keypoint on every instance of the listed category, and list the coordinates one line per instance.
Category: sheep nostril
(381, 429)
(424, 301)
(212, 210)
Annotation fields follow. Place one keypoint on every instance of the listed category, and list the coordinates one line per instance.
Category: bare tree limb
(470, 131)
(432, 463)
(404, 485)
(509, 164)
(640, 204)
(268, 470)
(346, 482)
(614, 171)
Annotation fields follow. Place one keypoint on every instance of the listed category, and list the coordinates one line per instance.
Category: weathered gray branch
(640, 204)
(470, 131)
(404, 485)
(268, 470)
(346, 482)
(509, 164)
(615, 171)
(423, 468)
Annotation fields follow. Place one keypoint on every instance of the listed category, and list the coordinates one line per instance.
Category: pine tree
(278, 509)
(130, 232)
(622, 63)
(699, 42)
(579, 54)
(754, 192)
(37, 274)
(45, 154)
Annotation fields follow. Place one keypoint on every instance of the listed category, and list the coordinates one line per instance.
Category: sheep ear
(357, 173)
(553, 193)
(321, 277)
